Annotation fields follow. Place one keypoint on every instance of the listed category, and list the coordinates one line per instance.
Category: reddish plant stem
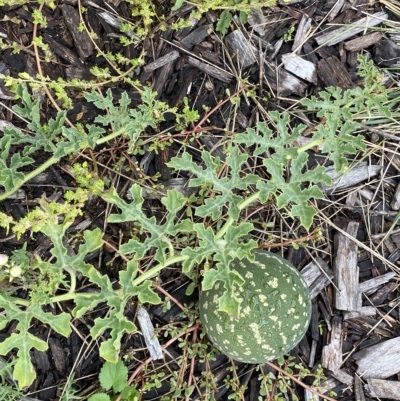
(192, 365)
(295, 379)
(148, 360)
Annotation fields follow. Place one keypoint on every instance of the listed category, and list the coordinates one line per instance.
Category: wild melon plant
(223, 239)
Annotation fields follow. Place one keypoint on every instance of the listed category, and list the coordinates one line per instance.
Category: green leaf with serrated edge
(224, 250)
(207, 245)
(264, 139)
(158, 236)
(128, 212)
(233, 245)
(142, 291)
(291, 193)
(110, 349)
(29, 109)
(59, 323)
(344, 143)
(99, 397)
(305, 212)
(131, 121)
(56, 232)
(146, 294)
(113, 375)
(117, 301)
(225, 187)
(84, 303)
(242, 249)
(9, 174)
(231, 279)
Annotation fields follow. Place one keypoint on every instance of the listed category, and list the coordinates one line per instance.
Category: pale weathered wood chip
(384, 388)
(347, 294)
(332, 353)
(338, 35)
(147, 329)
(379, 361)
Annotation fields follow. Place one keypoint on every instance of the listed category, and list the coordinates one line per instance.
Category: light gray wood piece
(362, 42)
(344, 377)
(363, 312)
(366, 193)
(338, 35)
(317, 275)
(313, 352)
(379, 388)
(282, 81)
(257, 21)
(301, 32)
(395, 37)
(6, 94)
(332, 353)
(395, 203)
(116, 23)
(346, 271)
(380, 360)
(335, 10)
(240, 49)
(147, 329)
(7, 124)
(300, 67)
(371, 285)
(20, 194)
(160, 62)
(211, 70)
(354, 176)
(326, 315)
(358, 389)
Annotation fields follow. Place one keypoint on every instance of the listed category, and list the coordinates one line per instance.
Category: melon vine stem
(52, 161)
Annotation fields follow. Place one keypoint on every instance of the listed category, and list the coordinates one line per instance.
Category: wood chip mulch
(354, 333)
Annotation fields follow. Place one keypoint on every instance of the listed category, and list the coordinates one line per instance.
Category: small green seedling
(274, 314)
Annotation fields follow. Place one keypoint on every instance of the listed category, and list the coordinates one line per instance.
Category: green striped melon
(274, 315)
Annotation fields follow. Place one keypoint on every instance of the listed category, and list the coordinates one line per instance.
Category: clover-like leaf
(113, 375)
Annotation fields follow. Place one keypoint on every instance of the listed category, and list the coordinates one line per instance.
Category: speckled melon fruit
(274, 315)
